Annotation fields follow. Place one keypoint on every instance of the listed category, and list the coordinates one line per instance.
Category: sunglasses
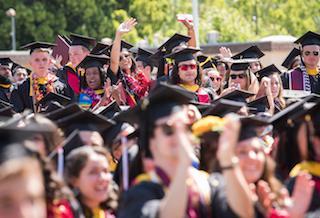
(187, 66)
(315, 53)
(240, 76)
(124, 56)
(218, 79)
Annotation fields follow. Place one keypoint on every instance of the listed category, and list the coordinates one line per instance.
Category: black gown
(143, 200)
(21, 99)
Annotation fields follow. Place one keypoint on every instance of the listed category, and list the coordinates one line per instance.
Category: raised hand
(187, 24)
(127, 26)
(225, 52)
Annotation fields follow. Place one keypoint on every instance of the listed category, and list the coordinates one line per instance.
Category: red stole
(73, 80)
(296, 79)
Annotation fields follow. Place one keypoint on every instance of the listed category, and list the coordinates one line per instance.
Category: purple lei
(91, 93)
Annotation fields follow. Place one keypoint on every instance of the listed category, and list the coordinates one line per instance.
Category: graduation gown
(3, 94)
(70, 77)
(143, 200)
(294, 80)
(21, 99)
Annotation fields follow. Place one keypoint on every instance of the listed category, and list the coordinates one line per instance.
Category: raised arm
(124, 27)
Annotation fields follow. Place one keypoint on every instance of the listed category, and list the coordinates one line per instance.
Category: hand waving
(127, 26)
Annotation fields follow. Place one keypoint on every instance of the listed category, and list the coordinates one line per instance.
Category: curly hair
(175, 79)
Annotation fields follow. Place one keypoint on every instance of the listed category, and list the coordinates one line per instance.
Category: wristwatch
(234, 163)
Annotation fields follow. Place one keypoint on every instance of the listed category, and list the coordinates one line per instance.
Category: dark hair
(146, 64)
(208, 152)
(102, 74)
(75, 163)
(175, 79)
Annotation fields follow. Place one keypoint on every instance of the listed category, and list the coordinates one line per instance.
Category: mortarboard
(221, 107)
(85, 120)
(309, 38)
(5, 62)
(144, 56)
(259, 105)
(99, 48)
(174, 41)
(237, 95)
(282, 119)
(185, 54)
(206, 62)
(108, 111)
(267, 71)
(294, 53)
(94, 61)
(52, 106)
(202, 107)
(5, 104)
(240, 64)
(64, 112)
(51, 97)
(251, 52)
(38, 45)
(249, 126)
(84, 41)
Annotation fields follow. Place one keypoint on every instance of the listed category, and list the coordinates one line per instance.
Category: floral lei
(48, 82)
(92, 94)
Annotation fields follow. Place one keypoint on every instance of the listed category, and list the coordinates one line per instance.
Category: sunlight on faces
(309, 57)
(215, 78)
(77, 53)
(189, 75)
(29, 200)
(255, 66)
(275, 85)
(93, 78)
(5, 71)
(251, 159)
(94, 180)
(40, 62)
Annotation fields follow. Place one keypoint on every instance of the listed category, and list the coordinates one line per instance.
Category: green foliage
(233, 19)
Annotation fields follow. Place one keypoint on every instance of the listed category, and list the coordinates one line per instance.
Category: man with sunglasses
(306, 77)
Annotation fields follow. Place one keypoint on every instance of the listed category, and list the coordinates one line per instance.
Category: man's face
(311, 55)
(40, 62)
(20, 75)
(77, 53)
(146, 70)
(5, 71)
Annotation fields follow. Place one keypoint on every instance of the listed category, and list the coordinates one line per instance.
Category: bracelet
(234, 163)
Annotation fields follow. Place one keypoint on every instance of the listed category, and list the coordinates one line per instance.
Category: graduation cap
(249, 126)
(94, 61)
(309, 38)
(251, 52)
(206, 62)
(66, 39)
(100, 48)
(108, 111)
(175, 40)
(85, 120)
(52, 106)
(294, 53)
(240, 64)
(221, 107)
(283, 119)
(259, 105)
(5, 62)
(64, 112)
(84, 41)
(161, 102)
(54, 97)
(202, 107)
(185, 54)
(38, 45)
(267, 71)
(238, 95)
(144, 56)
(4, 104)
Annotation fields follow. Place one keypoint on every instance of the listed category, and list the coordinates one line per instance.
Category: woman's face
(275, 85)
(251, 159)
(215, 78)
(238, 78)
(94, 179)
(93, 78)
(255, 66)
(125, 61)
(187, 72)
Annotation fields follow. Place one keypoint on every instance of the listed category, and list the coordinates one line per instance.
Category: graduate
(40, 82)
(174, 188)
(5, 79)
(306, 76)
(78, 50)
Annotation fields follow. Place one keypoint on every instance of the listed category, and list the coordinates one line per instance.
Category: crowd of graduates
(121, 131)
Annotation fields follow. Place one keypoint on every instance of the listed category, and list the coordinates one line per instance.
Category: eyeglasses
(218, 79)
(315, 53)
(240, 76)
(187, 66)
